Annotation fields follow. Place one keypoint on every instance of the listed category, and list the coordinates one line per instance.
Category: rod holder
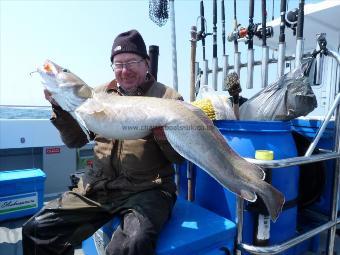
(214, 73)
(237, 62)
(319, 61)
(250, 69)
(225, 69)
(298, 52)
(281, 59)
(264, 67)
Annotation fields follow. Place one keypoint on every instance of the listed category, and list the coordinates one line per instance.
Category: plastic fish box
(21, 192)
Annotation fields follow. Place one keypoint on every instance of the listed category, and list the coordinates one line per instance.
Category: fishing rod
(214, 28)
(250, 43)
(237, 54)
(299, 34)
(223, 25)
(201, 35)
(225, 57)
(273, 8)
(215, 60)
(282, 40)
(265, 49)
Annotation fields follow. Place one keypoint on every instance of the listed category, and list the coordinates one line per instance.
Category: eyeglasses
(117, 66)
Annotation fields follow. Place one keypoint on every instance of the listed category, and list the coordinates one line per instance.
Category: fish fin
(250, 168)
(82, 124)
(248, 195)
(84, 91)
(258, 172)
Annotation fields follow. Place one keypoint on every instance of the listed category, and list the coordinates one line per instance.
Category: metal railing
(308, 158)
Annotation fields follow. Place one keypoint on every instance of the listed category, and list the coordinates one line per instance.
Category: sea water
(25, 112)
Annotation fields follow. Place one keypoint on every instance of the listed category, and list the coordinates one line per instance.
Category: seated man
(133, 179)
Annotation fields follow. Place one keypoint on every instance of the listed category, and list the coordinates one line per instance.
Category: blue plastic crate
(21, 192)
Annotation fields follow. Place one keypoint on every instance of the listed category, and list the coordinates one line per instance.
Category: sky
(78, 35)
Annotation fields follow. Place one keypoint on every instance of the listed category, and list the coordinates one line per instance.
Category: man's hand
(48, 97)
(159, 134)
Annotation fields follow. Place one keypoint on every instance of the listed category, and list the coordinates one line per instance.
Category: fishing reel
(235, 35)
(202, 34)
(268, 33)
(291, 19)
(250, 32)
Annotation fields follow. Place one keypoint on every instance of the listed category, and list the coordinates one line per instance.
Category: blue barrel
(309, 128)
(245, 137)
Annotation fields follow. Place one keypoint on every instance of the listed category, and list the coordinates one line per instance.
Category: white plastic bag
(220, 102)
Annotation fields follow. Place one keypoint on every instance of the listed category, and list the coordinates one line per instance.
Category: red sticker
(54, 150)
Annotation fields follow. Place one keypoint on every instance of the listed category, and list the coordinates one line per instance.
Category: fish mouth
(49, 68)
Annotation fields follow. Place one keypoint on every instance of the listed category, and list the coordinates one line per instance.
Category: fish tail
(253, 180)
(273, 199)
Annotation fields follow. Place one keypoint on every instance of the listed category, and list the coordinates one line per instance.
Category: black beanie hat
(129, 42)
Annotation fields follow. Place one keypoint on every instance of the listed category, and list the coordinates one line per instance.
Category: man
(132, 179)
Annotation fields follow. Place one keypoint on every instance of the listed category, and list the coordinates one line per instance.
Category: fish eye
(65, 70)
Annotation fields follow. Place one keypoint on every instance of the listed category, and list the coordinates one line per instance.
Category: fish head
(66, 87)
(55, 76)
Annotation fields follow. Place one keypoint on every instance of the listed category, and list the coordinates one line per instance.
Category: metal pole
(335, 195)
(174, 62)
(277, 248)
(173, 45)
(239, 222)
(323, 126)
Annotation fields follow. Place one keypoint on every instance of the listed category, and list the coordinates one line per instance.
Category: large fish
(190, 132)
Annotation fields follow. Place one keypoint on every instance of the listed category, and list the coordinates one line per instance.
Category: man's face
(130, 70)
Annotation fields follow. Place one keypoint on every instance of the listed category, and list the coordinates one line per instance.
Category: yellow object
(206, 106)
(264, 155)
